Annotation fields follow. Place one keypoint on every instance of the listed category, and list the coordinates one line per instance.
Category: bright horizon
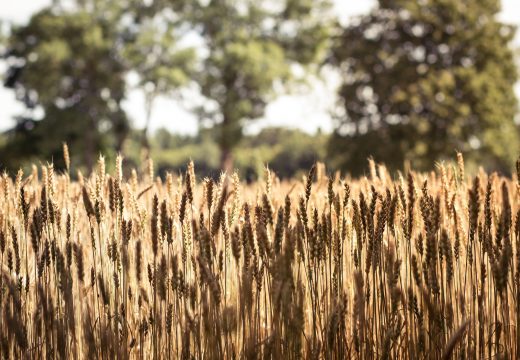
(308, 112)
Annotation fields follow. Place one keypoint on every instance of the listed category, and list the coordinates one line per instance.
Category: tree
(422, 79)
(66, 64)
(249, 47)
(163, 67)
(83, 54)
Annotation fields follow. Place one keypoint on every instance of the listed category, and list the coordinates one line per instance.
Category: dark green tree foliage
(67, 65)
(249, 48)
(422, 79)
(287, 152)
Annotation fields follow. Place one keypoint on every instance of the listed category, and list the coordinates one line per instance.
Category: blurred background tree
(72, 63)
(422, 79)
(287, 152)
(418, 80)
(64, 64)
(153, 52)
(250, 47)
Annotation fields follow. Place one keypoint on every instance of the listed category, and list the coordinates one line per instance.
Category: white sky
(307, 111)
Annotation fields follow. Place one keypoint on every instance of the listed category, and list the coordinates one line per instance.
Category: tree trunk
(226, 160)
(89, 147)
(145, 143)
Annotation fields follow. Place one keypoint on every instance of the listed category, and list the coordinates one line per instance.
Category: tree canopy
(250, 47)
(72, 64)
(419, 79)
(65, 64)
(422, 79)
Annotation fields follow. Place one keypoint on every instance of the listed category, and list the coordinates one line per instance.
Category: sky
(307, 110)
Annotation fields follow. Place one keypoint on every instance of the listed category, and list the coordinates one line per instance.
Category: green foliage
(420, 80)
(423, 79)
(152, 50)
(65, 64)
(154, 55)
(287, 152)
(75, 62)
(251, 47)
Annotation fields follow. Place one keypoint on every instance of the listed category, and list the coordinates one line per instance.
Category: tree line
(419, 79)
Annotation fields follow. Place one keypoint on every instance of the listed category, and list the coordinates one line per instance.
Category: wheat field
(402, 266)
